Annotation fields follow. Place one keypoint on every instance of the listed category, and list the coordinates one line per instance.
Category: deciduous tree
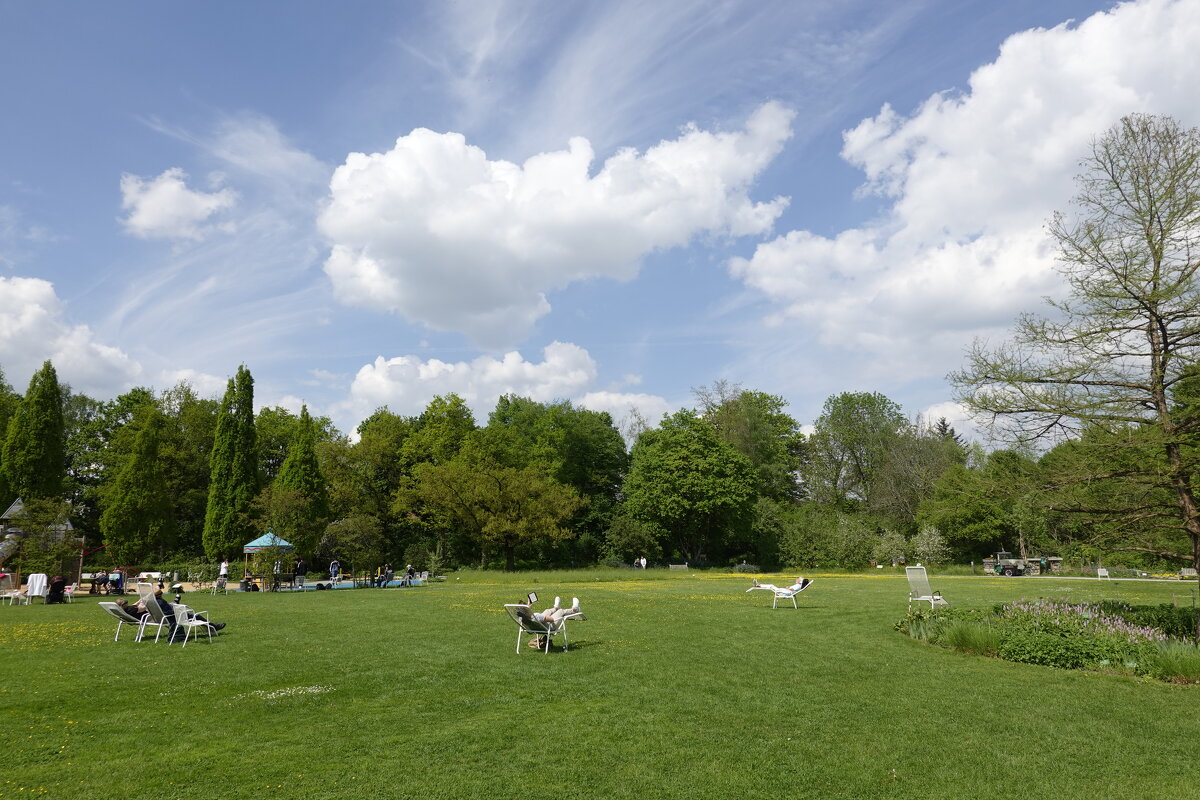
(1113, 351)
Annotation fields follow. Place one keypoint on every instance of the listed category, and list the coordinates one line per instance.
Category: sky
(611, 203)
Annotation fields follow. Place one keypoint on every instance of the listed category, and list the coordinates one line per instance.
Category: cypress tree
(137, 521)
(233, 477)
(34, 458)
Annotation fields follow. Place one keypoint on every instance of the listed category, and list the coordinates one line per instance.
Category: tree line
(1094, 409)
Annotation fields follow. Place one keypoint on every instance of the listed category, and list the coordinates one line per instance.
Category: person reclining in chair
(799, 586)
(552, 617)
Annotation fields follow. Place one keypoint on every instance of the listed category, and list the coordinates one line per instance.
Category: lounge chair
(156, 618)
(527, 624)
(786, 592)
(124, 618)
(186, 620)
(918, 588)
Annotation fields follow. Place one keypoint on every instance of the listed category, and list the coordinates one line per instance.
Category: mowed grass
(677, 686)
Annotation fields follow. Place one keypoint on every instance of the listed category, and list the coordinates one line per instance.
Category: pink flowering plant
(1059, 633)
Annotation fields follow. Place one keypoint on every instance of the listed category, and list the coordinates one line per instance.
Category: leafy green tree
(501, 507)
(356, 541)
(908, 468)
(49, 543)
(754, 424)
(34, 455)
(137, 517)
(689, 483)
(98, 442)
(848, 446)
(574, 446)
(1115, 349)
(628, 538)
(440, 431)
(972, 507)
(189, 429)
(233, 476)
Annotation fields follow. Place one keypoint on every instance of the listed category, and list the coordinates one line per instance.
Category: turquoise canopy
(265, 541)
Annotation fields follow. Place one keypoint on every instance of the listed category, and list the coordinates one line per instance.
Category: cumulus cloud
(34, 328)
(165, 208)
(436, 231)
(629, 410)
(406, 384)
(203, 383)
(971, 178)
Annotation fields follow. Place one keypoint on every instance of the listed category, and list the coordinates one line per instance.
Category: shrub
(744, 567)
(1176, 661)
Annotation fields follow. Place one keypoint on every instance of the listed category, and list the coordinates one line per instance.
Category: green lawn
(675, 686)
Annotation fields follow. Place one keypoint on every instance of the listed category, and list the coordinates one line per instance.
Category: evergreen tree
(34, 459)
(301, 474)
(233, 476)
(136, 521)
(9, 400)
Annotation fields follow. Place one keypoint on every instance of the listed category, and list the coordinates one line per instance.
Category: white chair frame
(529, 625)
(185, 618)
(918, 588)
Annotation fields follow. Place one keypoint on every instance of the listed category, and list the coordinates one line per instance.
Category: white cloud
(406, 384)
(627, 407)
(436, 231)
(972, 178)
(204, 384)
(165, 208)
(34, 328)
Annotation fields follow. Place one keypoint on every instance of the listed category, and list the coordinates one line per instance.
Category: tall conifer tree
(137, 520)
(300, 474)
(300, 470)
(233, 480)
(9, 400)
(34, 458)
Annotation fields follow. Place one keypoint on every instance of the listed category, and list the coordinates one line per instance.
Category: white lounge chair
(123, 618)
(527, 624)
(786, 592)
(918, 588)
(186, 620)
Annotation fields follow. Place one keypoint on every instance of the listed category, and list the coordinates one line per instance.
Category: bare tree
(1110, 358)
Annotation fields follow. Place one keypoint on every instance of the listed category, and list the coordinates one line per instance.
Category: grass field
(676, 686)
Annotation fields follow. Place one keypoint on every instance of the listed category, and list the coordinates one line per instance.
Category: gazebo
(267, 541)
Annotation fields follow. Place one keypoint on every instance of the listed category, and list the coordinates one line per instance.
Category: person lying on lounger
(552, 617)
(799, 586)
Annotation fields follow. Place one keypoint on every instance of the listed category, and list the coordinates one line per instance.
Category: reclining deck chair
(786, 592)
(124, 618)
(527, 624)
(918, 588)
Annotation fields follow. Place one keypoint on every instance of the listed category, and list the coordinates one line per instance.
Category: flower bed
(1142, 640)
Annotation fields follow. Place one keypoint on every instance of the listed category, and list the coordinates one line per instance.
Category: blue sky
(609, 202)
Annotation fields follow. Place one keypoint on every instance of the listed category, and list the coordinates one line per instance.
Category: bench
(677, 566)
(1187, 573)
